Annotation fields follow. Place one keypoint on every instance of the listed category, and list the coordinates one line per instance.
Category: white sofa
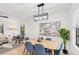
(9, 44)
(3, 38)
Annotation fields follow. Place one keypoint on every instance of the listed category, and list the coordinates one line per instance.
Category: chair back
(39, 50)
(29, 46)
(60, 48)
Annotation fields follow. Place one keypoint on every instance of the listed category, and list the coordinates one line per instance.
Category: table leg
(52, 51)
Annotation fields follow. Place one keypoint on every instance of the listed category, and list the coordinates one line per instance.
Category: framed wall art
(49, 28)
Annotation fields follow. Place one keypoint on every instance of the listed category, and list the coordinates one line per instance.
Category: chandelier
(41, 14)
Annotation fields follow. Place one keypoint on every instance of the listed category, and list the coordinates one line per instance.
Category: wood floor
(16, 51)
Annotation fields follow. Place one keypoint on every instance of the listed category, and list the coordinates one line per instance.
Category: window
(22, 29)
(77, 36)
(2, 28)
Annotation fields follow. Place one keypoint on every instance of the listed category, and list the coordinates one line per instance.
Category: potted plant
(64, 33)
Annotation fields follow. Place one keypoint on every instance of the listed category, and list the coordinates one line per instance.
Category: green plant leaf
(64, 34)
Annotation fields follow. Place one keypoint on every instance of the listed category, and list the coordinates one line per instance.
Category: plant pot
(65, 51)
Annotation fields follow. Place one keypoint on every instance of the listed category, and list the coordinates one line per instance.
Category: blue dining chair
(58, 51)
(29, 47)
(39, 50)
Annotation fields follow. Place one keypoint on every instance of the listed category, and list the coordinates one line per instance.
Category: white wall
(8, 23)
(32, 27)
(71, 46)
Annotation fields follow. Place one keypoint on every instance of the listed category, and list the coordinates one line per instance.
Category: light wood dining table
(46, 43)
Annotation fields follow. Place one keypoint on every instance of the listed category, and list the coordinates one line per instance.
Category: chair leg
(24, 51)
(31, 53)
(27, 53)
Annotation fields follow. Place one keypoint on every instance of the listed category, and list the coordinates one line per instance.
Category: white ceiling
(22, 11)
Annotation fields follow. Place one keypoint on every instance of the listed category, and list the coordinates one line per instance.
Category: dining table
(50, 44)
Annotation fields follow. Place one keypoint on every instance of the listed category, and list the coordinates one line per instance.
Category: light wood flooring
(16, 51)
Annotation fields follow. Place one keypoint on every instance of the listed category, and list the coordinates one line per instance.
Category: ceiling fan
(4, 16)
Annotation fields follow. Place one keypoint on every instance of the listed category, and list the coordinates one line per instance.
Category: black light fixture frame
(39, 5)
(43, 14)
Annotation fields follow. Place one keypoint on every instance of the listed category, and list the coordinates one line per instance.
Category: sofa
(3, 39)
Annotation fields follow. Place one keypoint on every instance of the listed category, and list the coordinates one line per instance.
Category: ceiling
(21, 11)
